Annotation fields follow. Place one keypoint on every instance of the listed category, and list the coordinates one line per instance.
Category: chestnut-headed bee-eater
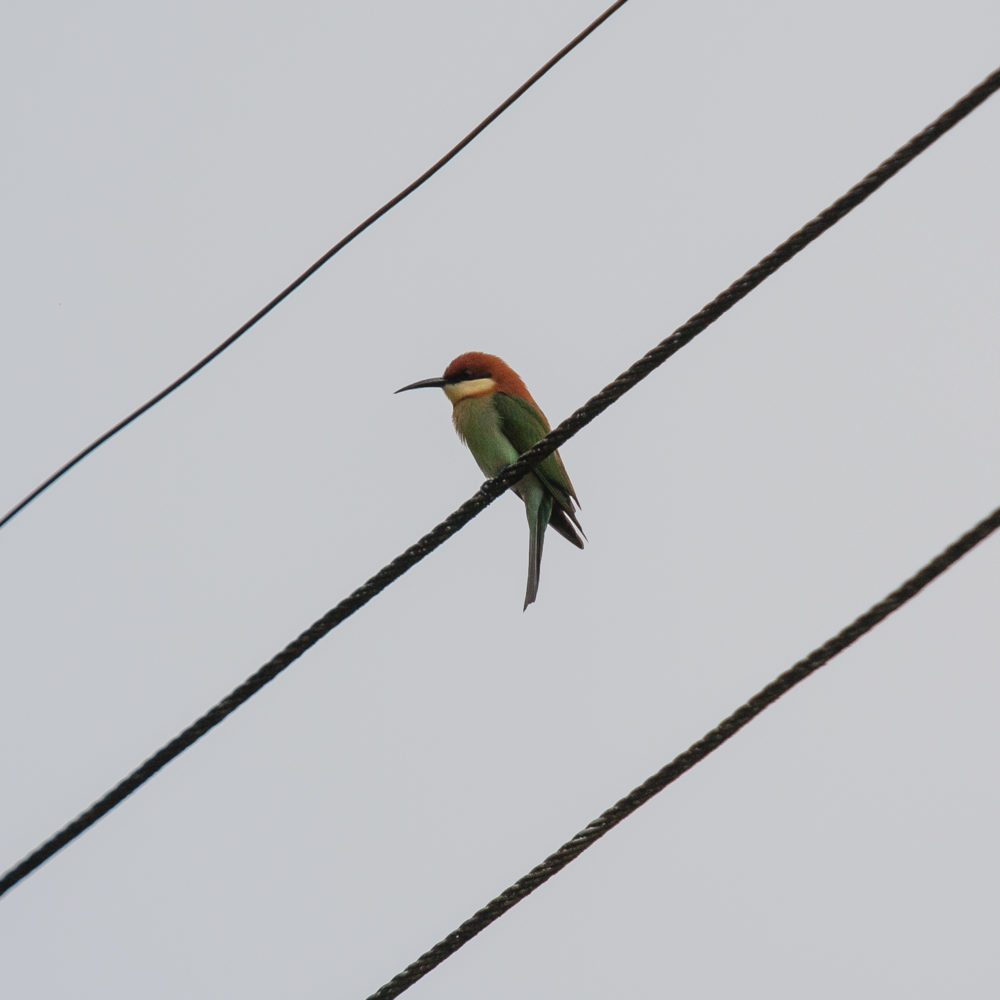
(496, 417)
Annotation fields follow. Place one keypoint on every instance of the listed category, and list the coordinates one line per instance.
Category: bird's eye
(467, 374)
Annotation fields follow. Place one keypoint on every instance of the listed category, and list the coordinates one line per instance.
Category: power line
(697, 752)
(313, 268)
(492, 488)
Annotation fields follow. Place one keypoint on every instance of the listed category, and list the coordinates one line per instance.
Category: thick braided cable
(610, 818)
(492, 488)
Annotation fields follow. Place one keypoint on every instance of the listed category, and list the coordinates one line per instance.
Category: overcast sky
(166, 171)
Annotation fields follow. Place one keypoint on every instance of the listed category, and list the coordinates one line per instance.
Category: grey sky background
(166, 171)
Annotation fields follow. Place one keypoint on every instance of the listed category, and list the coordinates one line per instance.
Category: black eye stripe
(466, 375)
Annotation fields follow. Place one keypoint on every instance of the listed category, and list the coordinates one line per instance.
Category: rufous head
(476, 374)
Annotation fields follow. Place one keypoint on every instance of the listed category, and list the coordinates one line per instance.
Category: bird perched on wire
(496, 417)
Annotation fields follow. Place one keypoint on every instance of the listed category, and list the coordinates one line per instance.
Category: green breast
(478, 424)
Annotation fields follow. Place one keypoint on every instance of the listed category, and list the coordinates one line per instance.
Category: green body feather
(498, 428)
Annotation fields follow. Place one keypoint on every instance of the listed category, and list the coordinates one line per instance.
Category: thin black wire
(712, 740)
(492, 488)
(313, 268)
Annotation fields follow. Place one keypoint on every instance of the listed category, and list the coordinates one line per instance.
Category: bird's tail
(539, 512)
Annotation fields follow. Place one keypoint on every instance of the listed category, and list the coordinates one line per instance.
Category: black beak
(428, 383)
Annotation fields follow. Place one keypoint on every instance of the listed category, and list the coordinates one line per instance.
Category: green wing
(523, 425)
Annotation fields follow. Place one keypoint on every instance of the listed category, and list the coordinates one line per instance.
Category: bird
(497, 419)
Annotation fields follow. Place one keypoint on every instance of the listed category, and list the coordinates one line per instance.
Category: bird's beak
(428, 383)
